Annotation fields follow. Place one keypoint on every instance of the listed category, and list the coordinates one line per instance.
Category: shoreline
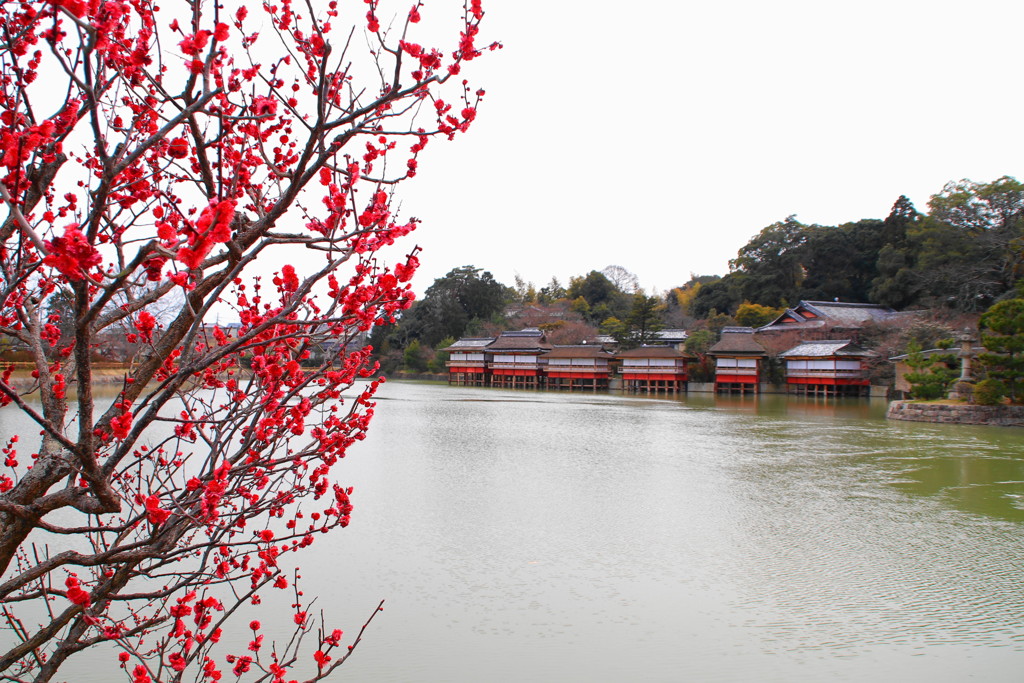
(956, 413)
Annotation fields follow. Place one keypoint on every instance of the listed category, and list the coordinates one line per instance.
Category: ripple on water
(557, 537)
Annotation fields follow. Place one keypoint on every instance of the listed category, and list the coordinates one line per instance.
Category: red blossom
(157, 516)
(264, 106)
(213, 227)
(59, 385)
(76, 7)
(192, 45)
(71, 254)
(145, 324)
(154, 267)
(181, 279)
(121, 424)
(405, 271)
(75, 592)
(242, 665)
(177, 661)
(178, 148)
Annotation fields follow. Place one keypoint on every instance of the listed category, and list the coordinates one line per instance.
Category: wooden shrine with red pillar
(829, 368)
(467, 361)
(654, 369)
(739, 360)
(514, 359)
(585, 367)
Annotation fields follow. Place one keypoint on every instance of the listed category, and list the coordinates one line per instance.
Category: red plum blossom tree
(161, 168)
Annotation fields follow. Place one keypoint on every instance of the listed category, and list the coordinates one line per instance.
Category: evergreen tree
(551, 292)
(640, 326)
(932, 374)
(644, 319)
(1002, 335)
(414, 358)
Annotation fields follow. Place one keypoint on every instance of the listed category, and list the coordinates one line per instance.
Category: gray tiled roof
(578, 351)
(837, 313)
(827, 348)
(470, 343)
(653, 352)
(928, 353)
(842, 312)
(671, 335)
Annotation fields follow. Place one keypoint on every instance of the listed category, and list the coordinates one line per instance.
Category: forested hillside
(964, 254)
(952, 261)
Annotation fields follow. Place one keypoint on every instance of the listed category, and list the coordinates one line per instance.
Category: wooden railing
(498, 365)
(736, 371)
(652, 369)
(829, 372)
(578, 366)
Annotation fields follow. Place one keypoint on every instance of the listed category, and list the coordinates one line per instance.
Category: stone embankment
(957, 413)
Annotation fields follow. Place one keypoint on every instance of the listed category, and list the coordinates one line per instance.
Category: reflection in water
(581, 537)
(984, 481)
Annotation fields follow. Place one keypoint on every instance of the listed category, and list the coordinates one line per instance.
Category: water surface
(597, 537)
(580, 537)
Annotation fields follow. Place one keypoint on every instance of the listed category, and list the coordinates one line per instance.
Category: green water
(578, 537)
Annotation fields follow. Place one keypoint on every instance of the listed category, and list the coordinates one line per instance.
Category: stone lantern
(963, 388)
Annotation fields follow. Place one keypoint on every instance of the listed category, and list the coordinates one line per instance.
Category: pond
(599, 537)
(580, 537)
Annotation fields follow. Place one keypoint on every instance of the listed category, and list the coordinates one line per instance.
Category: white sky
(662, 135)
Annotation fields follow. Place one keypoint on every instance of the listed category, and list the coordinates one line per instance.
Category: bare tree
(624, 281)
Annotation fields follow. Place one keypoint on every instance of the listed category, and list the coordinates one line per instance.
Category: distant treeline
(964, 254)
(468, 301)
(961, 256)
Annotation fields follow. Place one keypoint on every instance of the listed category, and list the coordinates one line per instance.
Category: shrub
(989, 392)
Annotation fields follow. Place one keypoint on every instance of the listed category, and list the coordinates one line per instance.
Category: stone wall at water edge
(1004, 416)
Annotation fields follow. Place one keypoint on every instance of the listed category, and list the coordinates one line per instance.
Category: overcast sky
(660, 136)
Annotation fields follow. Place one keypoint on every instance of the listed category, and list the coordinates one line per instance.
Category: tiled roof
(470, 343)
(671, 335)
(802, 325)
(653, 352)
(842, 312)
(826, 349)
(578, 351)
(530, 332)
(838, 313)
(928, 353)
(521, 340)
(739, 341)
